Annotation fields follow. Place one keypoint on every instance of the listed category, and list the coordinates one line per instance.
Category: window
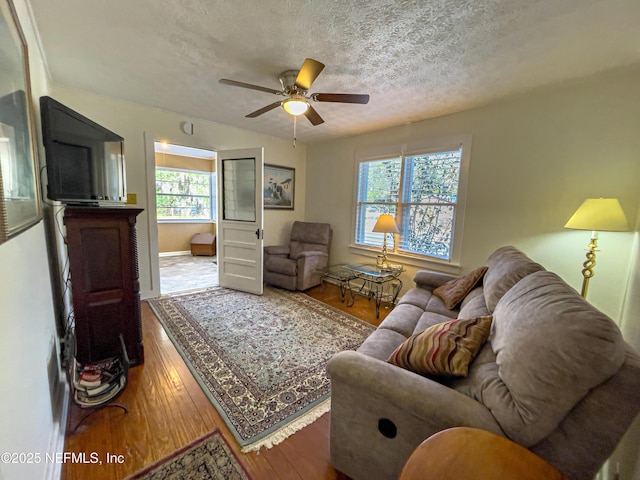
(422, 191)
(185, 195)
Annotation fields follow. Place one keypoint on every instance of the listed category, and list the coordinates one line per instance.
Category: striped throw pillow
(445, 349)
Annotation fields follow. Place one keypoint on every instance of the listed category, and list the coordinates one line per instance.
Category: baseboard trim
(147, 294)
(53, 470)
(174, 254)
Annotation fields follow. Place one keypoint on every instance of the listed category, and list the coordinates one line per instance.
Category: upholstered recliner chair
(298, 266)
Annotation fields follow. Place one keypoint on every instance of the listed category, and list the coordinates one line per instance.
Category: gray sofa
(555, 376)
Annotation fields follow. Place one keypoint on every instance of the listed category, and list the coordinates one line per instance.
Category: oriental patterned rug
(208, 457)
(261, 360)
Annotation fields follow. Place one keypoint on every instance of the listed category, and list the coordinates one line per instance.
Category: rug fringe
(283, 433)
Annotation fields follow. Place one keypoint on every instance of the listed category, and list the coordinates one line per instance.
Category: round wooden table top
(469, 453)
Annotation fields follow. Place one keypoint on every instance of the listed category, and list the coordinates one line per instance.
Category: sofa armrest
(429, 279)
(380, 413)
(283, 250)
(435, 403)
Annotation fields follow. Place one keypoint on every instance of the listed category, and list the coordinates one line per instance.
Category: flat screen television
(85, 161)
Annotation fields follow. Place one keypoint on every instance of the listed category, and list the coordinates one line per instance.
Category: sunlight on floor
(185, 272)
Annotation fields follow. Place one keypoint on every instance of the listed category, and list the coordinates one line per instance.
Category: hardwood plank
(168, 409)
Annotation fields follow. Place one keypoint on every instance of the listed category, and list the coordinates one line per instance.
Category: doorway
(185, 200)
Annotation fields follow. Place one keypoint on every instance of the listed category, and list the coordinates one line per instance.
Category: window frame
(212, 197)
(431, 145)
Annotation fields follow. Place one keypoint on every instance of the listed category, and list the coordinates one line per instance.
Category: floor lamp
(597, 215)
(385, 224)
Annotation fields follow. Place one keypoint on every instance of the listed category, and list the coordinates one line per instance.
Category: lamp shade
(385, 224)
(599, 214)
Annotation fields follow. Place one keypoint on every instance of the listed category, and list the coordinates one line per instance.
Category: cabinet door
(104, 281)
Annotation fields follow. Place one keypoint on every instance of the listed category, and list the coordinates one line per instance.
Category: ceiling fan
(295, 86)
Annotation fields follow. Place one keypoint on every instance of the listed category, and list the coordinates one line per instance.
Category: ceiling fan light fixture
(295, 106)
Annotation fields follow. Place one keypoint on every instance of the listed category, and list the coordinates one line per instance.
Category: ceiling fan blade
(341, 97)
(235, 83)
(263, 110)
(308, 73)
(313, 116)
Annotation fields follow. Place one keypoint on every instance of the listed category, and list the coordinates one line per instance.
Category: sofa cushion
(444, 349)
(428, 319)
(482, 376)
(381, 343)
(474, 305)
(454, 291)
(507, 266)
(403, 320)
(424, 299)
(416, 296)
(551, 348)
(476, 292)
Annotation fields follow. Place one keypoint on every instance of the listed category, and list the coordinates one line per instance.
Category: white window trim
(213, 185)
(414, 148)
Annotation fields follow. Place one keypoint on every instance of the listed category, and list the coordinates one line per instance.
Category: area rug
(207, 458)
(261, 360)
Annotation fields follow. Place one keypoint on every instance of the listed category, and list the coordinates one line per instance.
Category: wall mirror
(19, 192)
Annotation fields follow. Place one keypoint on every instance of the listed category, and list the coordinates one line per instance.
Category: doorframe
(152, 228)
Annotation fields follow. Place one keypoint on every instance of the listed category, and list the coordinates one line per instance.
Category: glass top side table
(383, 284)
(342, 275)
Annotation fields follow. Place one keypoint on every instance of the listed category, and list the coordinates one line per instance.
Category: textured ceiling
(416, 58)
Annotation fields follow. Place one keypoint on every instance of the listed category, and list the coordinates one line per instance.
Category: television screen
(85, 161)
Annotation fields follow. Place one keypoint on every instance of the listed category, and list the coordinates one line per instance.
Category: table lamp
(596, 214)
(385, 224)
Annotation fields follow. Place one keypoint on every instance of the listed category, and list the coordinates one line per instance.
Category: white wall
(140, 126)
(534, 159)
(30, 413)
(627, 455)
(31, 418)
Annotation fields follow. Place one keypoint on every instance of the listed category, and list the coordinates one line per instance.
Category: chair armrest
(310, 265)
(311, 253)
(429, 279)
(277, 250)
(438, 406)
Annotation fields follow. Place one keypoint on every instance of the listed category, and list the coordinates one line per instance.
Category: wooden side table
(469, 453)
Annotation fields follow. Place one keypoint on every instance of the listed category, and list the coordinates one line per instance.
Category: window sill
(409, 260)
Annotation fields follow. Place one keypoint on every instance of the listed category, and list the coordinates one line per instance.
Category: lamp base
(589, 264)
(383, 262)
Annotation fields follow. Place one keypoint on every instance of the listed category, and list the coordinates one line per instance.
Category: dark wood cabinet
(103, 261)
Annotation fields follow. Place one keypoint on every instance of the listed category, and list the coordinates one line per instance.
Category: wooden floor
(167, 409)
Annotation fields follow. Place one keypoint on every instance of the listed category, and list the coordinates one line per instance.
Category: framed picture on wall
(279, 187)
(19, 193)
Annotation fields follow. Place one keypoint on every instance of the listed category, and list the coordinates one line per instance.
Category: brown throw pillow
(454, 291)
(445, 349)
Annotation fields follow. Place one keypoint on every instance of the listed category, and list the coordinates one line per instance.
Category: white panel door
(240, 216)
